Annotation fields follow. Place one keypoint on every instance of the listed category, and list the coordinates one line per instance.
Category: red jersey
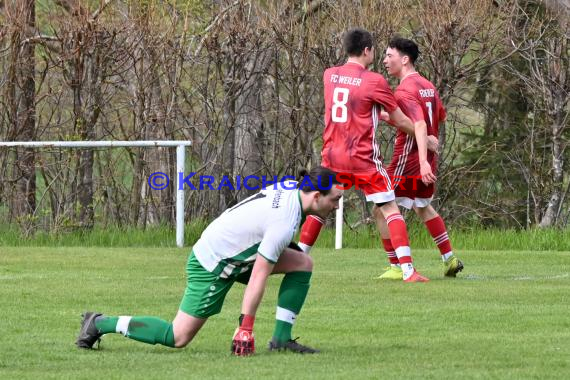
(353, 95)
(419, 100)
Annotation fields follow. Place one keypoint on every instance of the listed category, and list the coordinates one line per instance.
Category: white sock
(446, 256)
(408, 270)
(285, 315)
(306, 248)
(123, 325)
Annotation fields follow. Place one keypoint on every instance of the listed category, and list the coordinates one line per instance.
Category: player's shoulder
(284, 205)
(373, 75)
(407, 88)
(335, 69)
(281, 195)
(374, 79)
(424, 82)
(414, 83)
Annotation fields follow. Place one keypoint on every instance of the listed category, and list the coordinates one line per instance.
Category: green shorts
(205, 292)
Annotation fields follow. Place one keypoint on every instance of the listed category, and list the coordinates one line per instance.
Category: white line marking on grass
(531, 278)
(476, 277)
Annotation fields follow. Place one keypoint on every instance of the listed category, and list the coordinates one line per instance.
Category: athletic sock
(310, 232)
(106, 325)
(292, 294)
(438, 232)
(400, 242)
(390, 252)
(149, 330)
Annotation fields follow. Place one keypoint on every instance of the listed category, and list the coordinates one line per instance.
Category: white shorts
(409, 202)
(381, 197)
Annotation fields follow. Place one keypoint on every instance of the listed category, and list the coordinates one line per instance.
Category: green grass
(463, 239)
(505, 317)
(155, 236)
(362, 237)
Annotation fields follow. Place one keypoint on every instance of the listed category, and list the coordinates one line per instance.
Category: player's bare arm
(420, 128)
(243, 342)
(402, 122)
(256, 286)
(433, 144)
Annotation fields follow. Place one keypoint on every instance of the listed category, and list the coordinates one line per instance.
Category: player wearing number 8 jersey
(418, 98)
(353, 97)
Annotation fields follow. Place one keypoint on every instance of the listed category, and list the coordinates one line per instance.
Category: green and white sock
(149, 330)
(292, 294)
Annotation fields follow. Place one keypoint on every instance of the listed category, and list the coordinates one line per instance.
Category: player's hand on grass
(433, 144)
(426, 173)
(243, 342)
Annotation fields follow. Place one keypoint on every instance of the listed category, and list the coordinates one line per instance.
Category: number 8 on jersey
(340, 98)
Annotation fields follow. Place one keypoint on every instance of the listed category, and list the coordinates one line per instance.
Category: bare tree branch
(40, 38)
(213, 24)
(102, 7)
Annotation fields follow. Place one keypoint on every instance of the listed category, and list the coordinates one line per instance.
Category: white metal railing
(180, 167)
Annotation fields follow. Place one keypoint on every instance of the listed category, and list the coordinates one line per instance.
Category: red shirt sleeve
(410, 106)
(380, 92)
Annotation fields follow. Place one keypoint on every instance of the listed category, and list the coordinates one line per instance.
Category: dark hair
(319, 179)
(405, 47)
(355, 40)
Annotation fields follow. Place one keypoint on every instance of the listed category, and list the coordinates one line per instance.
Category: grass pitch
(505, 317)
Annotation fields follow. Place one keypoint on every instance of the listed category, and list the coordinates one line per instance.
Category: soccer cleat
(452, 266)
(392, 273)
(88, 334)
(291, 345)
(416, 277)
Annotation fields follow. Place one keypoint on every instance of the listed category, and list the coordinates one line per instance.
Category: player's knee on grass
(185, 327)
(182, 338)
(181, 342)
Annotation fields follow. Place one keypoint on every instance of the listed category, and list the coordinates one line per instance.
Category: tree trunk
(249, 123)
(557, 99)
(23, 116)
(551, 213)
(156, 204)
(89, 71)
(85, 132)
(227, 196)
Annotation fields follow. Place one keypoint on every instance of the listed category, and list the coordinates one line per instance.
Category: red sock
(399, 237)
(390, 252)
(310, 232)
(436, 228)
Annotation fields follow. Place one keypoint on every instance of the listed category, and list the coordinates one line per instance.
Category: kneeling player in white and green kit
(247, 243)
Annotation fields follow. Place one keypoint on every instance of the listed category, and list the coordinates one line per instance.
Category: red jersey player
(419, 100)
(353, 97)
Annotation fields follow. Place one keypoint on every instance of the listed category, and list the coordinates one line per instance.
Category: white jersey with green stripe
(264, 223)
